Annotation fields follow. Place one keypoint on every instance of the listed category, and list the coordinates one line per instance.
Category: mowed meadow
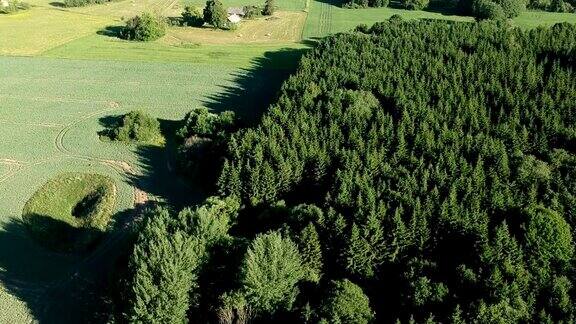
(64, 77)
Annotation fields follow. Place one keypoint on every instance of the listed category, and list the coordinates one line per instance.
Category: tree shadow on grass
(111, 31)
(58, 4)
(57, 287)
(158, 175)
(256, 87)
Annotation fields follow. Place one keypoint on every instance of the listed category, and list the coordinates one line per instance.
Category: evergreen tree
(272, 267)
(214, 14)
(311, 252)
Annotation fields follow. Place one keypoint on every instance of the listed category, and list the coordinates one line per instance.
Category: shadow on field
(257, 86)
(159, 177)
(110, 31)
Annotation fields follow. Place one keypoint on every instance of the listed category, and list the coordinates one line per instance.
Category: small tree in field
(145, 27)
(214, 14)
(269, 8)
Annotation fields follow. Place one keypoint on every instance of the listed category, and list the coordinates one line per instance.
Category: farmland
(51, 114)
(63, 75)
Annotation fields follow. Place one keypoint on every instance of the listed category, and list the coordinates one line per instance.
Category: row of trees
(183, 264)
(481, 9)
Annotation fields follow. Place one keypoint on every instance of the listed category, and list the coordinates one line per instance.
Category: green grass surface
(55, 217)
(100, 47)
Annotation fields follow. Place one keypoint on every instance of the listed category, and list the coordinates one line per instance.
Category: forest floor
(65, 77)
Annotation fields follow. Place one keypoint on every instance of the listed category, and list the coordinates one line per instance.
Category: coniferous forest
(409, 172)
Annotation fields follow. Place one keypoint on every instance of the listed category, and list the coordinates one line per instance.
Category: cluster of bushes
(414, 172)
(204, 136)
(137, 126)
(14, 6)
(492, 9)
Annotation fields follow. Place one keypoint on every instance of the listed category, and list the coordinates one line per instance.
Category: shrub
(138, 126)
(346, 303)
(512, 8)
(202, 123)
(497, 9)
(252, 12)
(215, 15)
(486, 9)
(415, 4)
(143, 28)
(192, 16)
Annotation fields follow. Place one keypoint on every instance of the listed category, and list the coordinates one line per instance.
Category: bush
(215, 15)
(14, 6)
(138, 126)
(143, 28)
(346, 303)
(486, 9)
(202, 123)
(251, 12)
(415, 4)
(192, 16)
(497, 9)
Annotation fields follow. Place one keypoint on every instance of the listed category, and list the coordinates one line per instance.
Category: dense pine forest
(409, 172)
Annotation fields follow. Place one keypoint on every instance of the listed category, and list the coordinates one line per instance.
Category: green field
(52, 110)
(62, 78)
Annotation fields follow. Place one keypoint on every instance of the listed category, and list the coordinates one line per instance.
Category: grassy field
(34, 31)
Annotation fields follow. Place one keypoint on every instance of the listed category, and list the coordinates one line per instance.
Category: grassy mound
(69, 212)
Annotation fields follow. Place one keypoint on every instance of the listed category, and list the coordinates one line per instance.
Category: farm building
(4, 3)
(234, 19)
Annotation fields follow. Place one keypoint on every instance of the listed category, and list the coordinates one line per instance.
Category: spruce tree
(309, 246)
